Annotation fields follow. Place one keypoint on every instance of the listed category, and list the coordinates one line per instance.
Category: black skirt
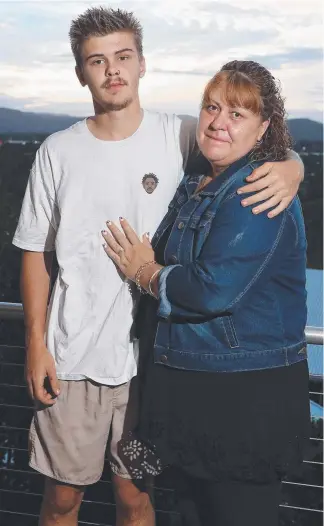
(243, 426)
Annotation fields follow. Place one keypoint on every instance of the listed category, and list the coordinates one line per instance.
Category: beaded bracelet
(139, 273)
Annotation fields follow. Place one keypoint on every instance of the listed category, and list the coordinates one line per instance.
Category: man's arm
(35, 235)
(35, 287)
(193, 161)
(293, 156)
(274, 185)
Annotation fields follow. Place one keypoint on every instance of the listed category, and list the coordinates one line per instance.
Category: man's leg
(61, 504)
(133, 503)
(67, 444)
(134, 499)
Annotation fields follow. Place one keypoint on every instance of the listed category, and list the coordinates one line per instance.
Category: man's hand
(41, 374)
(275, 184)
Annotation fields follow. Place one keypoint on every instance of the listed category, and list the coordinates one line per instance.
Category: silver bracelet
(151, 282)
(139, 273)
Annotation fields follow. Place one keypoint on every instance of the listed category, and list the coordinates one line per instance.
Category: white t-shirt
(76, 184)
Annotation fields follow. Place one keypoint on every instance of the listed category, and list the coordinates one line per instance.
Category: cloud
(291, 56)
(269, 61)
(199, 72)
(185, 42)
(11, 102)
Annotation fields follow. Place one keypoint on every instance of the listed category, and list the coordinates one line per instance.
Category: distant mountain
(15, 121)
(305, 130)
(21, 122)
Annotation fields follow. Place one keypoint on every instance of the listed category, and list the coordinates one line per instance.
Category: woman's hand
(125, 248)
(276, 185)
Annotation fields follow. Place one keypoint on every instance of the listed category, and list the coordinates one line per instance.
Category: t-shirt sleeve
(38, 221)
(193, 161)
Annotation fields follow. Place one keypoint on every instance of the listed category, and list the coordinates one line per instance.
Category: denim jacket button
(173, 259)
(181, 225)
(163, 358)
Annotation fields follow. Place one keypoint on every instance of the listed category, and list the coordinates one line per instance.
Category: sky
(185, 43)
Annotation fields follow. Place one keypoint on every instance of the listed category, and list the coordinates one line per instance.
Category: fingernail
(255, 210)
(108, 223)
(104, 232)
(147, 234)
(104, 245)
(239, 192)
(244, 203)
(121, 219)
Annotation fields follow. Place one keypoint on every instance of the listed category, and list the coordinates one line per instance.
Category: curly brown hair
(251, 86)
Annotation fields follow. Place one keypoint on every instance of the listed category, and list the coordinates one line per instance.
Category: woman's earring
(258, 143)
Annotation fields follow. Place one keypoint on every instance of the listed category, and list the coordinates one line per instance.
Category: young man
(97, 170)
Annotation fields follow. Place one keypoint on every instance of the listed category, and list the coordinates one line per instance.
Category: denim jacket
(232, 294)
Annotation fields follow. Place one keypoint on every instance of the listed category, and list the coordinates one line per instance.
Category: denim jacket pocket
(201, 227)
(229, 330)
(201, 222)
(202, 215)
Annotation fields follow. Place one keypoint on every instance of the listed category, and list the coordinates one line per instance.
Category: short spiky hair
(101, 21)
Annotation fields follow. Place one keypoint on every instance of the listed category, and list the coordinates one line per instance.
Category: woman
(225, 397)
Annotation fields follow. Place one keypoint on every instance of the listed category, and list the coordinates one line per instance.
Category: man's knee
(61, 499)
(138, 508)
(133, 504)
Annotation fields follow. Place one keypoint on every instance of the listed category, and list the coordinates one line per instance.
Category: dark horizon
(70, 115)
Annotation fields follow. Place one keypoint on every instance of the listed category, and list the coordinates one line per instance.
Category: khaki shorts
(68, 440)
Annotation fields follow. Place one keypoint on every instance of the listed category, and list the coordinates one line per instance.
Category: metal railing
(314, 335)
(14, 311)
(11, 311)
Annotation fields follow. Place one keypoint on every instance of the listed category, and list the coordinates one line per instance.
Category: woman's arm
(235, 258)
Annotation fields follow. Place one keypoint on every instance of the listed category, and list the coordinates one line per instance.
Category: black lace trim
(217, 457)
(139, 458)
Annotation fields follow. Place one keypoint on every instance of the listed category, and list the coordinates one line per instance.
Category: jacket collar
(219, 182)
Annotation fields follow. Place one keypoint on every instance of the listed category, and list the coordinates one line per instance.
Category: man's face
(111, 68)
(149, 185)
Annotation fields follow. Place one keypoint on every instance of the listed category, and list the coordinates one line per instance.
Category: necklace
(203, 182)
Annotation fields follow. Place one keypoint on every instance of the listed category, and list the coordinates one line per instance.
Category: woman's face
(225, 134)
